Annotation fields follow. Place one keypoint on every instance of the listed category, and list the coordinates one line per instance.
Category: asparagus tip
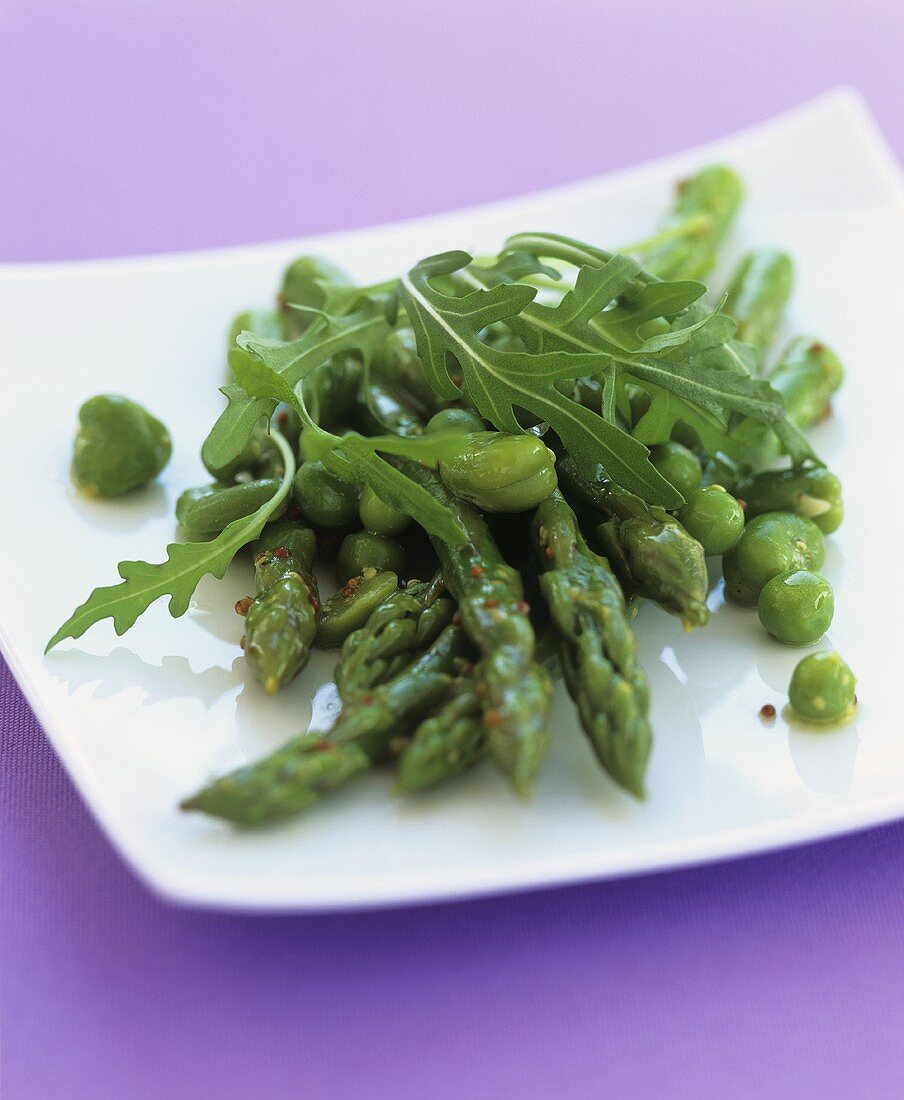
(696, 615)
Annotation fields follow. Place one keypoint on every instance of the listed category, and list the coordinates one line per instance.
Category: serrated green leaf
(697, 361)
(261, 381)
(143, 583)
(360, 332)
(554, 246)
(235, 423)
(510, 267)
(399, 492)
(356, 455)
(500, 381)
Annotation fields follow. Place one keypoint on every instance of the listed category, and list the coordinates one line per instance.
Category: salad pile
(499, 456)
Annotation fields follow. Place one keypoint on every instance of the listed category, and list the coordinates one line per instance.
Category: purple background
(165, 125)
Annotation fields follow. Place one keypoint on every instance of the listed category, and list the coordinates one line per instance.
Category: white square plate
(143, 720)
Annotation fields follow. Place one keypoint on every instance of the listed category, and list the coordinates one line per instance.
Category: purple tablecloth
(173, 124)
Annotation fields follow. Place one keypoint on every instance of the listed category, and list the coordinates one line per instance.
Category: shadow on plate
(122, 669)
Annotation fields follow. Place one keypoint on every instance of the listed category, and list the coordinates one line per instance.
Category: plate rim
(208, 892)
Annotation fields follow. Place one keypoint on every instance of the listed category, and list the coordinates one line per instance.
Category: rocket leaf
(186, 563)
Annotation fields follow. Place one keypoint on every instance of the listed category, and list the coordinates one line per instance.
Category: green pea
(208, 509)
(501, 473)
(454, 420)
(815, 494)
(119, 446)
(714, 518)
(380, 517)
(266, 323)
(797, 607)
(771, 544)
(324, 498)
(364, 550)
(352, 606)
(678, 465)
(822, 688)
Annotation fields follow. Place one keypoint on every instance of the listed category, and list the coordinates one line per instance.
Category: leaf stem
(689, 227)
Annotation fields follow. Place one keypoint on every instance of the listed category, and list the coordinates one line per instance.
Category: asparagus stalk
(514, 690)
(453, 739)
(651, 551)
(597, 647)
(446, 743)
(294, 777)
(401, 627)
(705, 206)
(281, 622)
(757, 296)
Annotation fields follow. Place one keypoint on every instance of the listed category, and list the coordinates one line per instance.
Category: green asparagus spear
(281, 622)
(652, 553)
(374, 719)
(807, 375)
(292, 779)
(514, 689)
(597, 646)
(404, 624)
(282, 784)
(453, 739)
(352, 605)
(445, 744)
(757, 296)
(685, 247)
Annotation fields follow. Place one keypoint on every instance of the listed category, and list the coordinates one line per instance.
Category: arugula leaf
(186, 563)
(500, 381)
(328, 336)
(581, 322)
(233, 429)
(696, 361)
(399, 492)
(354, 456)
(556, 247)
(261, 382)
